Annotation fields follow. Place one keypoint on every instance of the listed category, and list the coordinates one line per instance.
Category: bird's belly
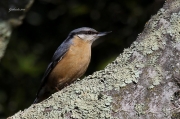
(71, 67)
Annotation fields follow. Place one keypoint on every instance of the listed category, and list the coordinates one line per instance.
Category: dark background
(48, 23)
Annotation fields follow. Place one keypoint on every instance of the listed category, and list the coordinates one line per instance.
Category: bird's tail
(35, 101)
(41, 97)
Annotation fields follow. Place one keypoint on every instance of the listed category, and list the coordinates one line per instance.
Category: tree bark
(143, 82)
(12, 12)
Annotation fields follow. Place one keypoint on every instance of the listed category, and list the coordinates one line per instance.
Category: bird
(69, 62)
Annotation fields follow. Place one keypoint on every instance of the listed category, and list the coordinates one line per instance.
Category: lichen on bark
(143, 81)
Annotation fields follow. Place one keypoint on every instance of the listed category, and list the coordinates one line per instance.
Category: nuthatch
(69, 61)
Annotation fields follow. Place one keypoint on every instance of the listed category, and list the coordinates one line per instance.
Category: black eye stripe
(86, 32)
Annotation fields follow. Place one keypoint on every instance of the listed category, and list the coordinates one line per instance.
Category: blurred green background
(48, 23)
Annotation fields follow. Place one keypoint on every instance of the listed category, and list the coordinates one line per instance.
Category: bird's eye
(89, 32)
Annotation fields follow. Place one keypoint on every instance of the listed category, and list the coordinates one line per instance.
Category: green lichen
(175, 115)
(166, 111)
(140, 109)
(154, 76)
(91, 98)
(152, 41)
(174, 29)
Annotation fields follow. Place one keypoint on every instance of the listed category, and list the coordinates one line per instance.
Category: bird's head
(87, 34)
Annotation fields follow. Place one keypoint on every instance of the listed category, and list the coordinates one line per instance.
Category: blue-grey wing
(58, 55)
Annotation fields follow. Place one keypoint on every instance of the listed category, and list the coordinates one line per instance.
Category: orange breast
(72, 66)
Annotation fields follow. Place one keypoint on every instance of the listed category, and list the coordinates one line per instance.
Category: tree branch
(10, 19)
(143, 82)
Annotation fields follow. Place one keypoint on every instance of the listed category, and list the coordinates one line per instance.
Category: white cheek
(82, 36)
(87, 37)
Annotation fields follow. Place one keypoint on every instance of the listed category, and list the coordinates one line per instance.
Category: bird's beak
(103, 33)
